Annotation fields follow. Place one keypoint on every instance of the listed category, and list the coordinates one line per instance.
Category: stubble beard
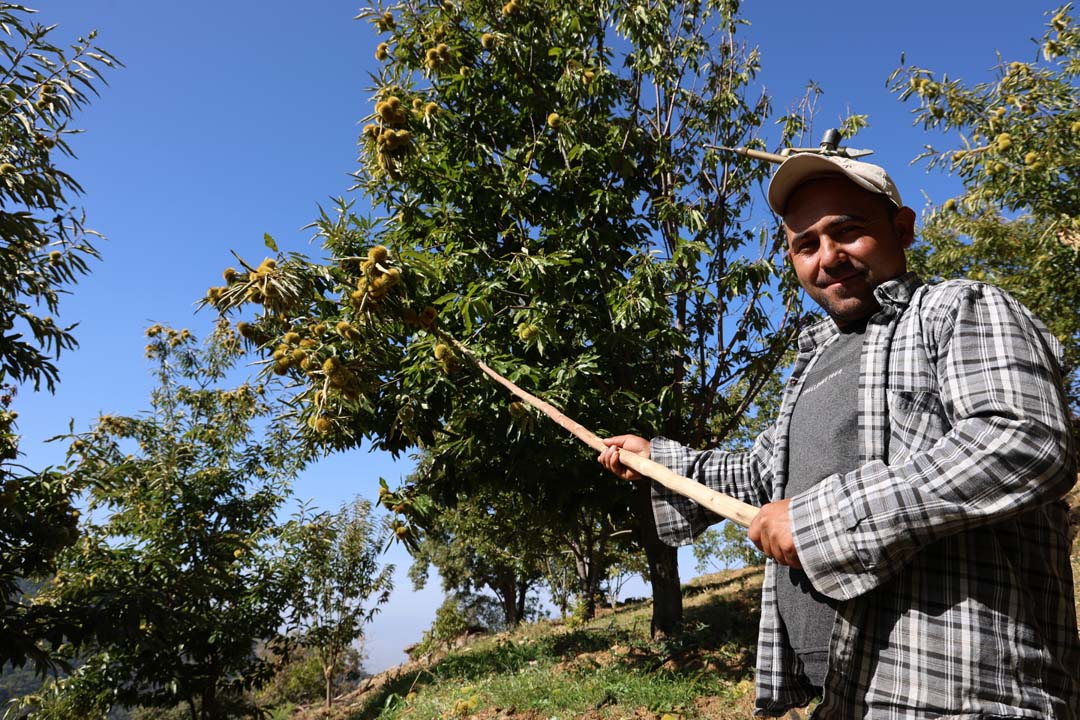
(846, 308)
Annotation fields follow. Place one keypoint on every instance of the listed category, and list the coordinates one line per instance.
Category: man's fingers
(609, 457)
(766, 545)
(754, 533)
(770, 531)
(788, 556)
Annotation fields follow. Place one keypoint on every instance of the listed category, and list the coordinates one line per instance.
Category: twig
(723, 505)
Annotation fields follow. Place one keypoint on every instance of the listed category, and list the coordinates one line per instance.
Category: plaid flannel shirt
(946, 548)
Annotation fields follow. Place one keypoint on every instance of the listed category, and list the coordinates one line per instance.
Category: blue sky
(233, 119)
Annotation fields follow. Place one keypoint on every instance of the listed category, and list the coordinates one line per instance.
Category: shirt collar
(898, 291)
(892, 295)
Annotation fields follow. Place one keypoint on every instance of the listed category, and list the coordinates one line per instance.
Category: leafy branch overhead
(572, 218)
(44, 249)
(1014, 142)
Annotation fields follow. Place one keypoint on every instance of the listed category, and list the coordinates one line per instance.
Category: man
(910, 488)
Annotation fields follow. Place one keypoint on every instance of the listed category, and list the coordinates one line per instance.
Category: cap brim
(803, 167)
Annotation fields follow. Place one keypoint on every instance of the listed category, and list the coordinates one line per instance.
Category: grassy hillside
(607, 668)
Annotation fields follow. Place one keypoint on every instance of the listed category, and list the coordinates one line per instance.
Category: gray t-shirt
(823, 441)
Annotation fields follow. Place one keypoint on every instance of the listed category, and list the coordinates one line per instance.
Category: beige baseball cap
(804, 167)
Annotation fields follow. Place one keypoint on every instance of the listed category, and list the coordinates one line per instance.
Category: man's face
(842, 245)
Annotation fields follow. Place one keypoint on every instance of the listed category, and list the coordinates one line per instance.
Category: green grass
(606, 668)
(282, 712)
(535, 689)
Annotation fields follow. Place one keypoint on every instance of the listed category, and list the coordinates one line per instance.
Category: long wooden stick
(723, 505)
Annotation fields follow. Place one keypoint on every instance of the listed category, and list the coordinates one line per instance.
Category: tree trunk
(507, 592)
(586, 592)
(209, 709)
(328, 678)
(588, 544)
(523, 591)
(663, 566)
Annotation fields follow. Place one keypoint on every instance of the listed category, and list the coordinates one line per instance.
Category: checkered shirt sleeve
(743, 475)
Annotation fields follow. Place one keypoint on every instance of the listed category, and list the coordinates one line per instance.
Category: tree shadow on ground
(717, 636)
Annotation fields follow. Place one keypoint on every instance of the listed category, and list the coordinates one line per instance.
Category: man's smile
(831, 281)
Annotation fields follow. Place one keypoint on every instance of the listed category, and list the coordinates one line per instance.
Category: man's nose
(832, 253)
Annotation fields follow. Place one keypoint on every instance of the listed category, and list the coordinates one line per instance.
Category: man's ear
(904, 225)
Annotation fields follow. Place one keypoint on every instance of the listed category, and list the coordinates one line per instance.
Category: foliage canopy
(1015, 144)
(550, 199)
(44, 249)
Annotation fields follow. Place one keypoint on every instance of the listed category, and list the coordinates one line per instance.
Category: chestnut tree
(182, 569)
(1014, 142)
(342, 583)
(544, 191)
